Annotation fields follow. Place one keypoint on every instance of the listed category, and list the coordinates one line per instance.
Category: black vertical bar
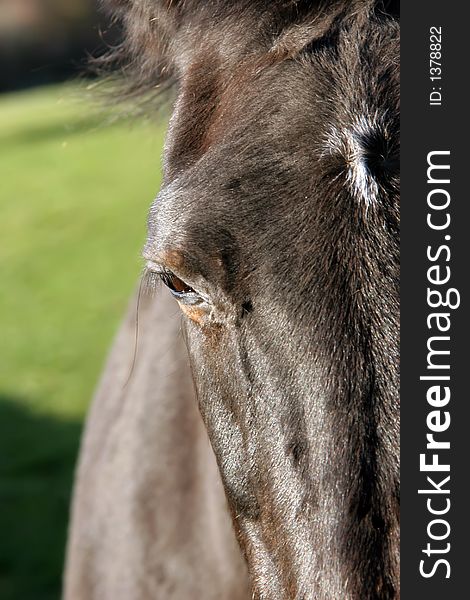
(426, 127)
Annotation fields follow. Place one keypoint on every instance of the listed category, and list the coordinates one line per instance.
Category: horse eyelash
(136, 333)
(149, 283)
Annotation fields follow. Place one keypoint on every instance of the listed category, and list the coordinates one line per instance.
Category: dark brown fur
(280, 208)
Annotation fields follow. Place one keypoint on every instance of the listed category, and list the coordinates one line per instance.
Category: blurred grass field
(74, 195)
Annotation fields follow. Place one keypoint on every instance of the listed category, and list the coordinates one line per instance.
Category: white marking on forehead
(349, 143)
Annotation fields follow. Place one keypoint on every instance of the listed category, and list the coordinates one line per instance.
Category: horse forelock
(160, 37)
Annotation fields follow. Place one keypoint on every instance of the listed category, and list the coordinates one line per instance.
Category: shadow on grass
(37, 459)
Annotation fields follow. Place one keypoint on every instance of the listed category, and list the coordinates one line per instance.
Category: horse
(254, 451)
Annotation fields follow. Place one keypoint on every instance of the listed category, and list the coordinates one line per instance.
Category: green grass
(74, 194)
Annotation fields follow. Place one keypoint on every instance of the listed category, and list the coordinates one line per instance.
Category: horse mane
(143, 64)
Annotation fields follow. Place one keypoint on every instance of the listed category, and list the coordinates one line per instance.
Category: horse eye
(179, 289)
